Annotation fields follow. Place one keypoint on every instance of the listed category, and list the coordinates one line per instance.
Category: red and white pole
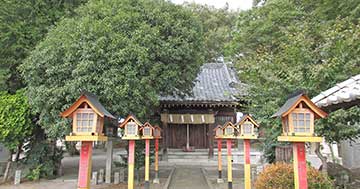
(247, 168)
(156, 180)
(85, 165)
(219, 159)
(131, 164)
(147, 163)
(229, 163)
(299, 155)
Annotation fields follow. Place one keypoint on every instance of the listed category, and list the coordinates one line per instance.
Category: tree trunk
(8, 165)
(322, 158)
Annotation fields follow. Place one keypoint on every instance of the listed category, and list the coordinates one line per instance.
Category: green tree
(217, 25)
(16, 125)
(127, 52)
(287, 45)
(22, 25)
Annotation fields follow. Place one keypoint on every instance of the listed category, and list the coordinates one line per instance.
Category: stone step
(187, 157)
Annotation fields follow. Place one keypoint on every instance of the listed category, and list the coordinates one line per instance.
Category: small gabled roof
(217, 127)
(128, 118)
(247, 117)
(147, 124)
(157, 127)
(92, 101)
(292, 102)
(229, 124)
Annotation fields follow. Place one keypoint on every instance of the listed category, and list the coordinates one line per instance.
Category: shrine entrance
(178, 135)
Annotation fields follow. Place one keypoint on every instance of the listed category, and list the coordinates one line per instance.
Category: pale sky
(233, 4)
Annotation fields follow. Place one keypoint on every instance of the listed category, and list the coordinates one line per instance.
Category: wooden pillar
(156, 180)
(187, 137)
(131, 164)
(211, 141)
(109, 160)
(247, 169)
(147, 163)
(299, 155)
(165, 135)
(229, 163)
(219, 145)
(85, 165)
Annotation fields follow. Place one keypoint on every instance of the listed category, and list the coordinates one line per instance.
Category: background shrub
(281, 175)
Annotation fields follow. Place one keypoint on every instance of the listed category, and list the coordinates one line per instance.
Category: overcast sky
(233, 4)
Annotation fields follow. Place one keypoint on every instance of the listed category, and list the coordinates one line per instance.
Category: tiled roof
(95, 102)
(345, 92)
(288, 104)
(216, 82)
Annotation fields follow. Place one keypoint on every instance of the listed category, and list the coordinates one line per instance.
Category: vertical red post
(229, 163)
(85, 165)
(247, 168)
(300, 177)
(131, 164)
(147, 163)
(156, 180)
(219, 158)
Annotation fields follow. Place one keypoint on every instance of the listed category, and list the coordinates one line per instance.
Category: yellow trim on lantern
(147, 137)
(86, 138)
(300, 139)
(131, 138)
(246, 137)
(227, 137)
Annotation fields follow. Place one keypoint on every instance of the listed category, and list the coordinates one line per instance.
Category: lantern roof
(147, 124)
(128, 118)
(295, 100)
(157, 127)
(247, 117)
(217, 127)
(92, 101)
(229, 124)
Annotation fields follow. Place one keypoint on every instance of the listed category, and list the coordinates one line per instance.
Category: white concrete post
(109, 160)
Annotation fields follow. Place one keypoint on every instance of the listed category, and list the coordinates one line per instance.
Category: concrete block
(116, 178)
(95, 178)
(122, 175)
(17, 177)
(101, 176)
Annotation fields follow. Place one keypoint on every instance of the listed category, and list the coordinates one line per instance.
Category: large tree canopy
(217, 26)
(127, 52)
(22, 25)
(286, 45)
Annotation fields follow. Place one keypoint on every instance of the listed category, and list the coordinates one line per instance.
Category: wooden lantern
(131, 127)
(229, 131)
(297, 116)
(147, 131)
(88, 117)
(248, 127)
(219, 132)
(157, 132)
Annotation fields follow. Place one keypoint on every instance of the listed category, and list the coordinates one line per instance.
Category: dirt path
(188, 177)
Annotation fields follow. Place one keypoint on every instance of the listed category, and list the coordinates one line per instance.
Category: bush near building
(281, 175)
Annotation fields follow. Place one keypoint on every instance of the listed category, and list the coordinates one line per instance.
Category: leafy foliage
(217, 26)
(15, 120)
(126, 52)
(281, 175)
(22, 25)
(284, 46)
